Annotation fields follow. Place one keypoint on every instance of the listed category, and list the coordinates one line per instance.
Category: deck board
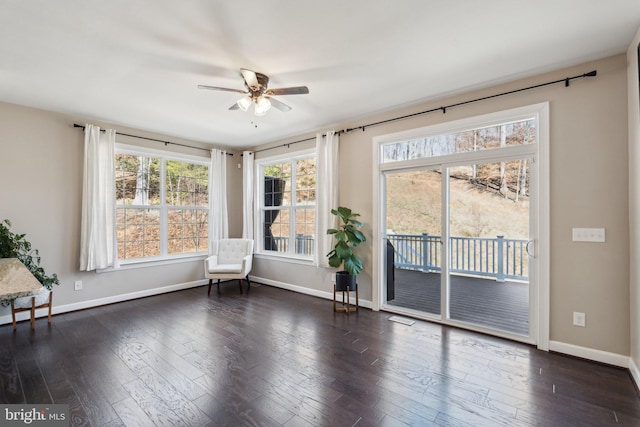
(485, 302)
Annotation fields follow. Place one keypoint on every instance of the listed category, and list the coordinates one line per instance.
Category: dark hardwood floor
(273, 357)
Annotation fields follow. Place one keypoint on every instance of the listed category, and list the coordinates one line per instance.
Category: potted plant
(15, 246)
(347, 237)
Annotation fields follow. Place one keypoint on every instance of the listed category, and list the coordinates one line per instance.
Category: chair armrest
(210, 261)
(247, 263)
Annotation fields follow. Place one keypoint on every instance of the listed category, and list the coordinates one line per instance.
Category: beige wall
(634, 199)
(41, 175)
(589, 182)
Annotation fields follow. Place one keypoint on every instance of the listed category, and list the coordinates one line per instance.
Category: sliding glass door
(482, 244)
(459, 220)
(413, 244)
(489, 234)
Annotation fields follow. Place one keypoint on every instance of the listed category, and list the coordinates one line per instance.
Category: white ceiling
(137, 63)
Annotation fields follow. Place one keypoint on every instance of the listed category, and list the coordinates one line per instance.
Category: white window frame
(164, 156)
(289, 256)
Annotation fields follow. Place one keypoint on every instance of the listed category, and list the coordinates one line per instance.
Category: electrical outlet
(579, 319)
(333, 277)
(77, 285)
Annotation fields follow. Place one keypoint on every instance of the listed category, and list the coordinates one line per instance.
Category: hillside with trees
(486, 199)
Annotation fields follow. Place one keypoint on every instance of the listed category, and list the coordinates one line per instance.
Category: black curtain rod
(443, 108)
(484, 98)
(75, 125)
(283, 145)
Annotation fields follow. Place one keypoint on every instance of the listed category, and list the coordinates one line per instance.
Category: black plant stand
(346, 304)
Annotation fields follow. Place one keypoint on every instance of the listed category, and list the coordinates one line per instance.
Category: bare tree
(142, 182)
(503, 182)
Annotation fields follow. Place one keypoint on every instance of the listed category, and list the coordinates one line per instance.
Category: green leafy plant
(16, 246)
(347, 237)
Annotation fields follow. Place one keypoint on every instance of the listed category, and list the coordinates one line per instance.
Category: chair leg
(240, 285)
(13, 315)
(218, 286)
(209, 289)
(248, 283)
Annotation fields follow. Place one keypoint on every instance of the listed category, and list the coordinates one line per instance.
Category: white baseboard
(59, 309)
(590, 354)
(308, 291)
(635, 373)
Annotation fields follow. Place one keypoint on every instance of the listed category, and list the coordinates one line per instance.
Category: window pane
(137, 232)
(187, 184)
(175, 246)
(277, 184)
(504, 135)
(305, 231)
(306, 181)
(276, 230)
(151, 248)
(137, 180)
(152, 232)
(202, 184)
(187, 230)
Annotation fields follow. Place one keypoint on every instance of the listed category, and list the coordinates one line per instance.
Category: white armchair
(231, 259)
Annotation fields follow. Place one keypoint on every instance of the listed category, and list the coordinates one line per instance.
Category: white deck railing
(497, 257)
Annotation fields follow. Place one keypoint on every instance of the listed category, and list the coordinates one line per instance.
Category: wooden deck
(484, 302)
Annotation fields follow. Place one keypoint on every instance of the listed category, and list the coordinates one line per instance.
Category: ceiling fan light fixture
(257, 93)
(262, 106)
(244, 103)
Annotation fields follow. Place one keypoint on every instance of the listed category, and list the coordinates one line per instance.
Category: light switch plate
(579, 319)
(588, 235)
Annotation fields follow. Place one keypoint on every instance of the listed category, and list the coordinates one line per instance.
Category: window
(520, 132)
(287, 207)
(162, 206)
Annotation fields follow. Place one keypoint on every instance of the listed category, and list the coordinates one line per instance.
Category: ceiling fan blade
(297, 90)
(250, 78)
(279, 105)
(224, 89)
(234, 106)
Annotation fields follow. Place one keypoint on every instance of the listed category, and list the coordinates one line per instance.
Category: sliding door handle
(530, 244)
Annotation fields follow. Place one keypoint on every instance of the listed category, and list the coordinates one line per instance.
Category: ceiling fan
(257, 93)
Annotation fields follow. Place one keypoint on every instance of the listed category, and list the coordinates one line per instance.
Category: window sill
(285, 258)
(132, 265)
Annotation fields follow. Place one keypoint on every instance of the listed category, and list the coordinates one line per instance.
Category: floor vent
(402, 320)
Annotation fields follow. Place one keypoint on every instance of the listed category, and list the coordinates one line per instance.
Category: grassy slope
(413, 207)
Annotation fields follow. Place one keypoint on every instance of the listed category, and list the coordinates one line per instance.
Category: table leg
(13, 315)
(33, 312)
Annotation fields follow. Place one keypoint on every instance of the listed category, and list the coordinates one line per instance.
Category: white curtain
(247, 195)
(218, 217)
(97, 235)
(328, 181)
